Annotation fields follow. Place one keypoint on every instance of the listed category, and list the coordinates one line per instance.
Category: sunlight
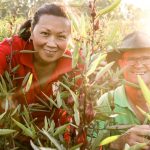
(143, 4)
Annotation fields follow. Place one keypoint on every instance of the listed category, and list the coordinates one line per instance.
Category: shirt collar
(121, 98)
(63, 66)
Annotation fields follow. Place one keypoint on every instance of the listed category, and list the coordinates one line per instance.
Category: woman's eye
(44, 33)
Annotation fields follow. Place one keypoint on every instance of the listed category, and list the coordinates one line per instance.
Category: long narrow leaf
(72, 93)
(103, 71)
(95, 63)
(26, 130)
(6, 131)
(109, 139)
(27, 87)
(109, 8)
(145, 90)
(61, 129)
(53, 140)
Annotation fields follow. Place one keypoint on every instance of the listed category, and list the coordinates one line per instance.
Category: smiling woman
(46, 38)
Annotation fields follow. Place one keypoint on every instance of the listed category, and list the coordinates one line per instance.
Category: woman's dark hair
(46, 9)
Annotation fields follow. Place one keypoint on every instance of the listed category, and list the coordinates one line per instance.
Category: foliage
(91, 38)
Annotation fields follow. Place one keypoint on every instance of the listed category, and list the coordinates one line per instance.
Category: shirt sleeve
(4, 52)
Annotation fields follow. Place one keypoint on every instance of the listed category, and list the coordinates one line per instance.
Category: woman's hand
(135, 135)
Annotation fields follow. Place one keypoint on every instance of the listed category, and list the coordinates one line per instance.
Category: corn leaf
(109, 139)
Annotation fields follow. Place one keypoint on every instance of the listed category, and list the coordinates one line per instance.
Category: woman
(47, 42)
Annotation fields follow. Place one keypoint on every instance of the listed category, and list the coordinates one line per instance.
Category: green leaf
(138, 146)
(16, 109)
(147, 115)
(103, 70)
(145, 90)
(59, 100)
(109, 139)
(2, 115)
(45, 123)
(26, 113)
(8, 78)
(98, 138)
(74, 96)
(25, 79)
(61, 129)
(15, 68)
(109, 8)
(52, 127)
(3, 83)
(76, 147)
(75, 56)
(26, 131)
(28, 51)
(34, 146)
(27, 87)
(51, 100)
(53, 140)
(95, 63)
(6, 131)
(76, 114)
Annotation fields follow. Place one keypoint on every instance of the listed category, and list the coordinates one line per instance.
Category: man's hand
(135, 135)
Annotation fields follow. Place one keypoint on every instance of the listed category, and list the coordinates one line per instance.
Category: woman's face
(50, 38)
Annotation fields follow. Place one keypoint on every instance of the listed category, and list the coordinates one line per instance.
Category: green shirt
(125, 114)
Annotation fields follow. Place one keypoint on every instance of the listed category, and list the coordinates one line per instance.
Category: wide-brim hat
(133, 41)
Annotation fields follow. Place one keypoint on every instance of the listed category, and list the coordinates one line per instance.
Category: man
(134, 55)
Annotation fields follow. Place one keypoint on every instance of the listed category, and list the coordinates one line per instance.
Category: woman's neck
(44, 71)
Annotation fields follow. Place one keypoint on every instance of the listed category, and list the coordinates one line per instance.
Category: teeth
(140, 73)
(50, 51)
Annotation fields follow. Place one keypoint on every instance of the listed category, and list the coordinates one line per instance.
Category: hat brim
(115, 54)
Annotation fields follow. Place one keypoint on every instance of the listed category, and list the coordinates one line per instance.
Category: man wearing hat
(134, 55)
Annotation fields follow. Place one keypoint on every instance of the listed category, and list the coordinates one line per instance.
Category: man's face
(138, 63)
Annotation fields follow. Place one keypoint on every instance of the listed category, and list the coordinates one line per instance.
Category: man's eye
(62, 37)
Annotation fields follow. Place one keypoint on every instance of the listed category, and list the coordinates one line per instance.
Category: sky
(143, 4)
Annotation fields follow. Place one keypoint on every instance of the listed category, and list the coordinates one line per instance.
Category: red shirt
(10, 53)
(13, 47)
